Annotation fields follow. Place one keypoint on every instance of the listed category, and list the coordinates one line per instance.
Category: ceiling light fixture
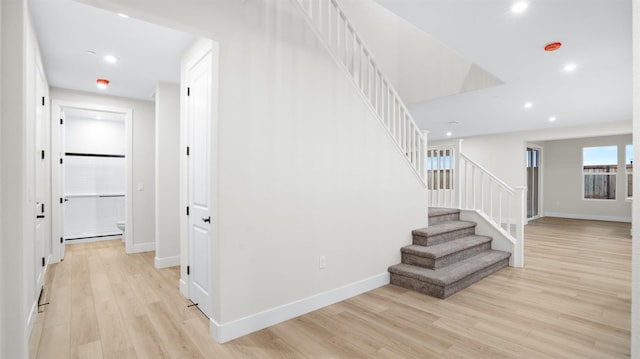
(111, 59)
(102, 83)
(123, 15)
(552, 119)
(519, 7)
(552, 46)
(528, 105)
(449, 134)
(98, 117)
(570, 67)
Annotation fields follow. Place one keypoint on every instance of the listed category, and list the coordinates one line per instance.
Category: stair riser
(477, 276)
(417, 285)
(444, 218)
(444, 292)
(444, 261)
(443, 237)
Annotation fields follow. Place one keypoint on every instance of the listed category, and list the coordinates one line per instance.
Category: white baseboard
(184, 289)
(167, 262)
(144, 247)
(588, 217)
(228, 331)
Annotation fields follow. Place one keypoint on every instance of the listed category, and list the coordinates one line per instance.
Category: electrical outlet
(322, 262)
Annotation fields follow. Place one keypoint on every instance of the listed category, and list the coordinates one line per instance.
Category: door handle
(207, 220)
(40, 216)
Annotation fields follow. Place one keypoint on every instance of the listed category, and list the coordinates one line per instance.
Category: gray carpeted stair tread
(446, 248)
(441, 228)
(439, 211)
(450, 274)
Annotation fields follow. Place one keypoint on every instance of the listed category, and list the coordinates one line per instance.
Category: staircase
(447, 256)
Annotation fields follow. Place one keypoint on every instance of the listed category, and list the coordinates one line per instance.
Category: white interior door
(200, 198)
(41, 181)
(61, 182)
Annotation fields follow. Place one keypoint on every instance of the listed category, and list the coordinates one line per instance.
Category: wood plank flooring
(572, 300)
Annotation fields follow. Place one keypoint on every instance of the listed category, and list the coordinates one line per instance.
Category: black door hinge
(61, 200)
(187, 210)
(188, 91)
(43, 261)
(42, 208)
(188, 270)
(42, 100)
(42, 154)
(60, 239)
(61, 161)
(61, 121)
(187, 150)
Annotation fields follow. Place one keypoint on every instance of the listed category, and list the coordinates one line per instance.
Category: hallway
(571, 300)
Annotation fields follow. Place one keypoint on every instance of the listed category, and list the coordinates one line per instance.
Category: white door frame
(57, 107)
(195, 53)
(42, 178)
(540, 149)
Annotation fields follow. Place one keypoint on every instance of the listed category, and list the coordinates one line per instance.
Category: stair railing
(336, 33)
(456, 181)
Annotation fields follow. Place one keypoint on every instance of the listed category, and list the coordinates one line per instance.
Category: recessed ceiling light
(102, 83)
(98, 117)
(528, 105)
(111, 59)
(570, 67)
(552, 118)
(449, 134)
(123, 15)
(519, 7)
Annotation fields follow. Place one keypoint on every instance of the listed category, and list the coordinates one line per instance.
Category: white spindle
(338, 36)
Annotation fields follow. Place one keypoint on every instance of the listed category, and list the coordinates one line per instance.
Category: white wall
(563, 180)
(143, 159)
(89, 135)
(419, 66)
(2, 268)
(635, 283)
(304, 171)
(168, 152)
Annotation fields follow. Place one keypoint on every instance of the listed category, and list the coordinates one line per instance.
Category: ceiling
(596, 36)
(146, 53)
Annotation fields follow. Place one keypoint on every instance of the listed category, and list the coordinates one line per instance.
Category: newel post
(519, 212)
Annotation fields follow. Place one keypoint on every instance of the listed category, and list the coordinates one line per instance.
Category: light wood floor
(572, 300)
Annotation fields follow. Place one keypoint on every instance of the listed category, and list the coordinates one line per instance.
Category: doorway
(534, 208)
(91, 177)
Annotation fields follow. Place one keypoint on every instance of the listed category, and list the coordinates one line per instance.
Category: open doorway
(91, 180)
(534, 171)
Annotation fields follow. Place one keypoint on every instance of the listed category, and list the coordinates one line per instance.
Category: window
(440, 169)
(599, 168)
(628, 164)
